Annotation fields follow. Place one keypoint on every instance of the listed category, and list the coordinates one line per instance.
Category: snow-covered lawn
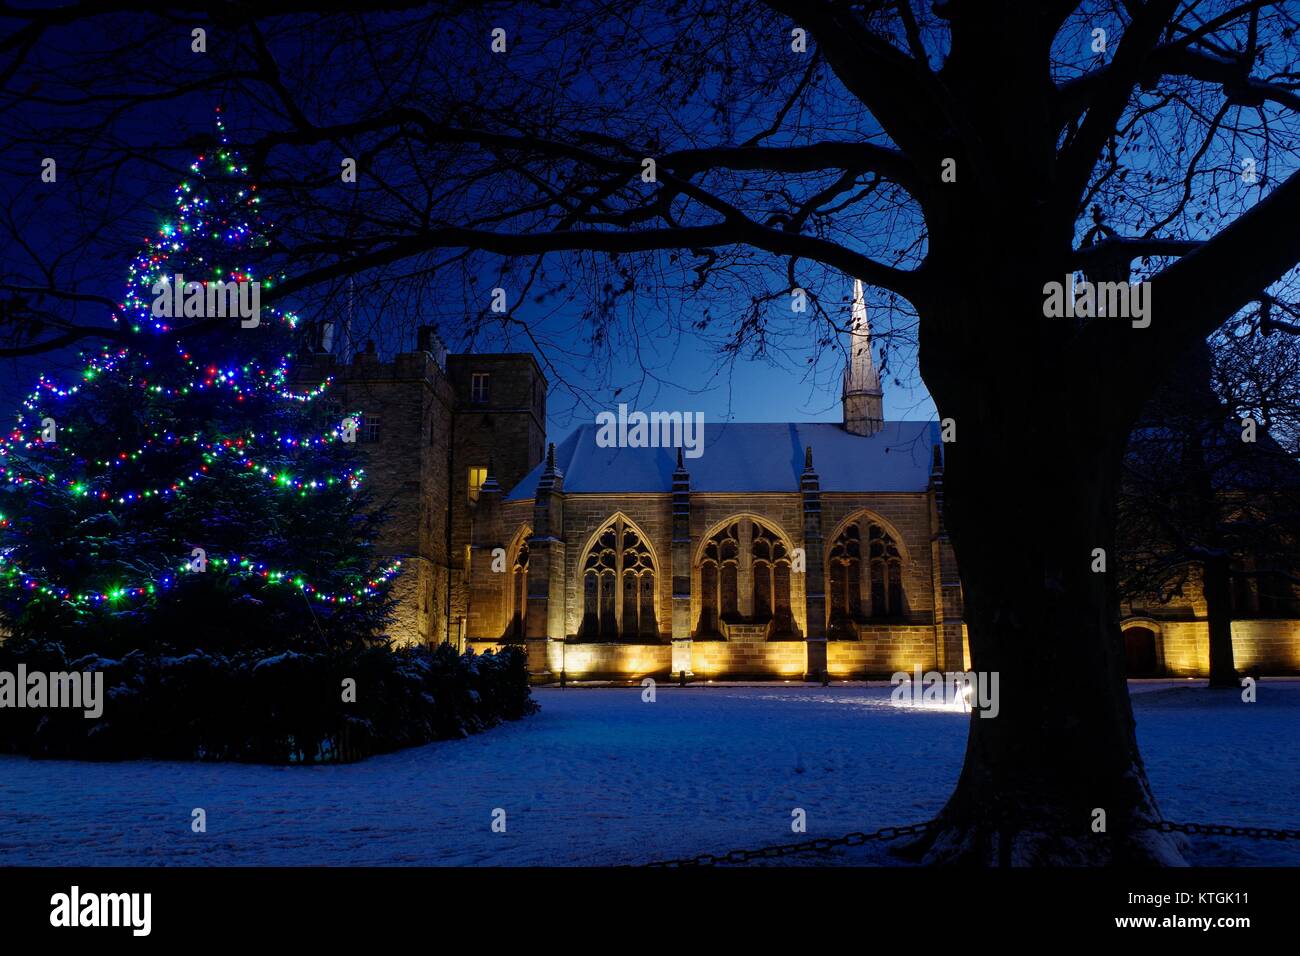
(600, 777)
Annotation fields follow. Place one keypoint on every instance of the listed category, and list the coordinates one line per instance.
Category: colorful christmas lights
(164, 381)
(238, 566)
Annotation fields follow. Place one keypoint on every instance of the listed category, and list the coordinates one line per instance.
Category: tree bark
(1217, 579)
(1200, 412)
(1031, 491)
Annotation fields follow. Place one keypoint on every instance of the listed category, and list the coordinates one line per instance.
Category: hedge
(269, 708)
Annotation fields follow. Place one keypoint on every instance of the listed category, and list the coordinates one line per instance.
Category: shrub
(285, 707)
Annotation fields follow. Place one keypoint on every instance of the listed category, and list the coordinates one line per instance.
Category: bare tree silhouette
(957, 156)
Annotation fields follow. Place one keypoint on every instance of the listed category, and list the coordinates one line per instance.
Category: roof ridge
(751, 457)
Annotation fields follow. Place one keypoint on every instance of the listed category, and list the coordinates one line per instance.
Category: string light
(82, 487)
(239, 566)
(24, 448)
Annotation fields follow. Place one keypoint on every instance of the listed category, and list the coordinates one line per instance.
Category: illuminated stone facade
(717, 584)
(431, 425)
(787, 550)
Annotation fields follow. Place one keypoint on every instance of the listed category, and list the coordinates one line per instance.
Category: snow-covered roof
(750, 457)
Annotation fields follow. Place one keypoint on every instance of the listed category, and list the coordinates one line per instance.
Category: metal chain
(786, 849)
(913, 829)
(1222, 829)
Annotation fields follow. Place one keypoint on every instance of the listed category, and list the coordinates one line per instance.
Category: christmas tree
(186, 490)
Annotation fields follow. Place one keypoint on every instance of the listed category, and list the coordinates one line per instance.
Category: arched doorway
(1140, 652)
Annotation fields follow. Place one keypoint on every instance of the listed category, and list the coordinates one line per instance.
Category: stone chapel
(787, 550)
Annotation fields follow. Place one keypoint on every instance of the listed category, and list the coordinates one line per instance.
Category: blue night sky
(687, 377)
(686, 373)
(654, 362)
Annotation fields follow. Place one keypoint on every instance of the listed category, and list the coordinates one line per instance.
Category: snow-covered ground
(600, 777)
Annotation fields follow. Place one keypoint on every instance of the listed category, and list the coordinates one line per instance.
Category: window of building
(371, 432)
(478, 388)
(1245, 600)
(862, 583)
(745, 577)
(518, 593)
(844, 581)
(618, 587)
(477, 475)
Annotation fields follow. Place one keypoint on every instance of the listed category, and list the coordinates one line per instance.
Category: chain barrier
(885, 834)
(1222, 829)
(786, 849)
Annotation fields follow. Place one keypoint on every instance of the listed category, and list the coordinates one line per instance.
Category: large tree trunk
(1217, 580)
(1062, 745)
(1199, 409)
(1031, 487)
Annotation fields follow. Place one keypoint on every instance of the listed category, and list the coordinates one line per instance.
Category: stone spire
(862, 397)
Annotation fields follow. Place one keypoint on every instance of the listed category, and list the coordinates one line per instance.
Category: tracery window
(745, 577)
(518, 592)
(844, 573)
(862, 583)
(618, 587)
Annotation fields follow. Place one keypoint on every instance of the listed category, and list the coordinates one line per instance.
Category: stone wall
(747, 658)
(489, 606)
(884, 650)
(411, 401)
(507, 430)
(1261, 645)
(881, 649)
(596, 661)
(1267, 646)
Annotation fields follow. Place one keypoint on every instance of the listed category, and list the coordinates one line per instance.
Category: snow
(600, 777)
(750, 457)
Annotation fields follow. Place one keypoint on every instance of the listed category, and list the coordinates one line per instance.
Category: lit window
(864, 582)
(618, 587)
(478, 388)
(721, 582)
(476, 478)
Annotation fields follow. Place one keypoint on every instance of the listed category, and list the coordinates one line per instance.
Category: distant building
(786, 550)
(432, 425)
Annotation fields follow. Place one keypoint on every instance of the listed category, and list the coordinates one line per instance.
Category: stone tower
(862, 398)
(499, 425)
(405, 412)
(433, 427)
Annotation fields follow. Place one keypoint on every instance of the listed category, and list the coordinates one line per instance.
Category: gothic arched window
(519, 592)
(844, 579)
(618, 587)
(862, 583)
(745, 577)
